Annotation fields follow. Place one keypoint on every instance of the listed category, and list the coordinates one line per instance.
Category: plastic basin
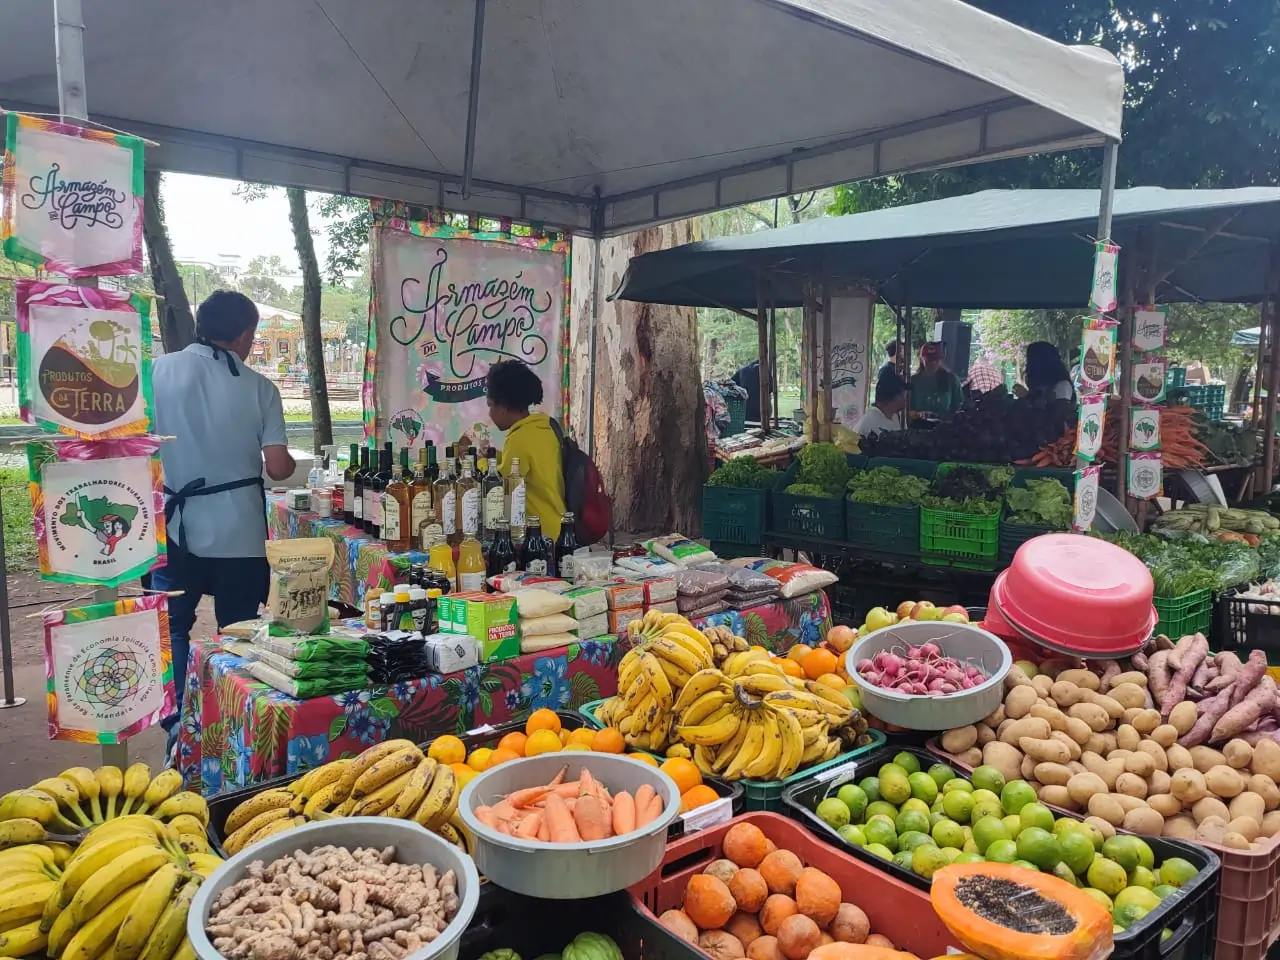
(1079, 595)
(414, 844)
(963, 641)
(568, 871)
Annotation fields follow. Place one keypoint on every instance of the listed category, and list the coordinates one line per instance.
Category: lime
(916, 804)
(1026, 865)
(986, 808)
(983, 796)
(1039, 846)
(1127, 916)
(926, 860)
(1036, 814)
(894, 769)
(1146, 857)
(912, 839)
(950, 854)
(1063, 824)
(1176, 872)
(1001, 851)
(1101, 897)
(1163, 890)
(903, 859)
(941, 774)
(853, 835)
(833, 813)
(1137, 897)
(968, 857)
(957, 784)
(1063, 872)
(1077, 850)
(948, 833)
(970, 846)
(1142, 877)
(880, 808)
(907, 761)
(1016, 795)
(912, 821)
(1165, 934)
(936, 818)
(881, 832)
(855, 798)
(987, 831)
(958, 805)
(1013, 823)
(987, 778)
(871, 787)
(1107, 876)
(1090, 831)
(879, 850)
(1123, 850)
(937, 807)
(894, 785)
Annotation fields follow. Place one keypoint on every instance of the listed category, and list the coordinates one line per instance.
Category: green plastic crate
(1014, 535)
(737, 407)
(888, 529)
(819, 517)
(733, 551)
(954, 538)
(1185, 615)
(733, 514)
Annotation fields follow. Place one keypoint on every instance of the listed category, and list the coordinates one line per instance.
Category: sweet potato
(1246, 711)
(1158, 674)
(1191, 658)
(1228, 668)
(1254, 669)
(1211, 711)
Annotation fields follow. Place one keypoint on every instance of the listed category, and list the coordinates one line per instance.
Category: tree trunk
(650, 436)
(322, 425)
(177, 326)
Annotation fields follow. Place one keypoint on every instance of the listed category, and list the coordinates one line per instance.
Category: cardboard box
(491, 619)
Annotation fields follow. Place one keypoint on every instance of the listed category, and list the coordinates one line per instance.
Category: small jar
(300, 500)
(372, 609)
(322, 503)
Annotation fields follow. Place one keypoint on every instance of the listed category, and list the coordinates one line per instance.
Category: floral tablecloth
(237, 730)
(359, 561)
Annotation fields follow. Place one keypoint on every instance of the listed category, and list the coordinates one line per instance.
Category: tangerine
(643, 758)
(447, 749)
(542, 741)
(464, 773)
(514, 741)
(542, 719)
(572, 747)
(684, 772)
(799, 652)
(480, 759)
(501, 755)
(608, 740)
(791, 668)
(818, 662)
(833, 680)
(583, 735)
(696, 797)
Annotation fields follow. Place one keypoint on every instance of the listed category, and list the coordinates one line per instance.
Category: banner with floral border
(98, 509)
(72, 198)
(108, 669)
(65, 382)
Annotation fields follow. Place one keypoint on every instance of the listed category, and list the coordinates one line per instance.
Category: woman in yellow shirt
(512, 389)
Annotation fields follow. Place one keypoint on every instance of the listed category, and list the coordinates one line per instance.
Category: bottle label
(537, 568)
(370, 514)
(420, 614)
(357, 505)
(348, 492)
(495, 504)
(375, 506)
(390, 518)
(431, 532)
(567, 567)
(423, 509)
(471, 581)
(449, 513)
(471, 513)
(517, 506)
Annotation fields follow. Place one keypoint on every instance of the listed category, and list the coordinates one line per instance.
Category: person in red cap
(934, 388)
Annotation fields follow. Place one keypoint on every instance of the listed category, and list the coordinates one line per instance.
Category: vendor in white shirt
(889, 409)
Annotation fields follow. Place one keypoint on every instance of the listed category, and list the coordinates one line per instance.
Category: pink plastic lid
(1077, 594)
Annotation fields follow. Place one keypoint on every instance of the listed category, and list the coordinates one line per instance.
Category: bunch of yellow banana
(28, 877)
(391, 779)
(724, 642)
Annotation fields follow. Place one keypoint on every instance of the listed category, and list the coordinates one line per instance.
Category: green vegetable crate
(1185, 615)
(734, 514)
(1014, 535)
(952, 538)
(889, 529)
(737, 408)
(818, 517)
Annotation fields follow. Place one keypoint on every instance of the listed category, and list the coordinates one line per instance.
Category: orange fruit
(684, 772)
(464, 773)
(799, 652)
(514, 741)
(792, 668)
(480, 759)
(542, 719)
(502, 755)
(447, 749)
(832, 680)
(564, 736)
(572, 747)
(696, 797)
(818, 662)
(583, 735)
(643, 758)
(543, 741)
(608, 740)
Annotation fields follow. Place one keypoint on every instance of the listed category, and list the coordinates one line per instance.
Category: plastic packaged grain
(540, 603)
(587, 602)
(596, 626)
(623, 596)
(743, 579)
(686, 602)
(646, 566)
(618, 619)
(665, 606)
(511, 582)
(700, 583)
(708, 610)
(796, 579)
(657, 589)
(548, 641)
(554, 623)
(680, 550)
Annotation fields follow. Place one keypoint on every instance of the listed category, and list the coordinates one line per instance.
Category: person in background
(890, 364)
(934, 388)
(886, 412)
(225, 421)
(983, 376)
(512, 389)
(748, 378)
(1046, 375)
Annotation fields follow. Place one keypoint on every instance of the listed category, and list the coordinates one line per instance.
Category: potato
(973, 756)
(1223, 782)
(1127, 738)
(1108, 742)
(1127, 802)
(995, 717)
(1247, 805)
(1073, 748)
(1238, 754)
(1248, 827)
(985, 736)
(1181, 827)
(1266, 788)
(1004, 757)
(1045, 751)
(1130, 713)
(1113, 707)
(1092, 714)
(1104, 827)
(1144, 821)
(1210, 807)
(1036, 728)
(1205, 758)
(1005, 724)
(1159, 759)
(1271, 824)
(1131, 785)
(1235, 841)
(1158, 782)
(1028, 768)
(960, 739)
(1078, 730)
(1146, 721)
(1076, 768)
(1081, 678)
(1097, 742)
(1084, 785)
(1119, 754)
(1166, 735)
(1108, 770)
(1052, 774)
(1140, 764)
(1266, 759)
(1165, 804)
(1106, 807)
(1056, 796)
(1211, 830)
(1057, 719)
(1188, 785)
(1183, 716)
(1065, 694)
(1042, 684)
(1135, 677)
(1018, 702)
(1016, 678)
(1179, 758)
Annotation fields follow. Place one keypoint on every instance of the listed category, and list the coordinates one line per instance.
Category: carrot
(566, 790)
(560, 823)
(559, 777)
(643, 795)
(624, 813)
(529, 826)
(486, 816)
(504, 810)
(544, 834)
(586, 783)
(651, 812)
(592, 818)
(527, 797)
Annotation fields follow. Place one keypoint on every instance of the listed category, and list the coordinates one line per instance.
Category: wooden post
(827, 410)
(762, 349)
(811, 353)
(773, 368)
(1261, 368)
(1272, 300)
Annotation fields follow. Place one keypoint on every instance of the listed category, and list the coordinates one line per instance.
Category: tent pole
(1272, 302)
(906, 322)
(1261, 369)
(6, 639)
(763, 379)
(1108, 194)
(473, 99)
(827, 410)
(773, 368)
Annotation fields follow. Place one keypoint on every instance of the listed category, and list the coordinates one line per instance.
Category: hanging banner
(1102, 296)
(851, 381)
(98, 509)
(1086, 498)
(84, 360)
(1148, 381)
(109, 670)
(72, 198)
(1144, 429)
(1097, 357)
(1146, 476)
(1149, 326)
(1090, 426)
(448, 303)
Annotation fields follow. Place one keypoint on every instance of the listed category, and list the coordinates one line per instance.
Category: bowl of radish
(931, 674)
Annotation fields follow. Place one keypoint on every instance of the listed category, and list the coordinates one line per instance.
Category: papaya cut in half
(1004, 912)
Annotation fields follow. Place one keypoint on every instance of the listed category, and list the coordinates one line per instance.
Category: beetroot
(920, 671)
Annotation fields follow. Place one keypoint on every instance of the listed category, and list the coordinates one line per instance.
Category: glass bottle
(502, 552)
(495, 497)
(433, 468)
(447, 498)
(422, 503)
(349, 485)
(471, 568)
(370, 476)
(566, 544)
(396, 526)
(374, 489)
(515, 497)
(440, 559)
(362, 474)
(534, 554)
(468, 503)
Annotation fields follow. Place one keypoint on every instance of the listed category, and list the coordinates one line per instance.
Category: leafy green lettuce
(1043, 502)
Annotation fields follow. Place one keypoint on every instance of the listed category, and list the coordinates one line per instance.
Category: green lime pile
(923, 820)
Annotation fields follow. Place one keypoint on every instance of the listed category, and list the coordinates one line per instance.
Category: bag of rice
(298, 601)
(553, 623)
(680, 550)
(587, 602)
(700, 583)
(511, 582)
(708, 610)
(547, 641)
(540, 603)
(686, 602)
(649, 566)
(796, 579)
(595, 626)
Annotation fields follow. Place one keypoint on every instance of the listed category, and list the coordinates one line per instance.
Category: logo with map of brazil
(105, 519)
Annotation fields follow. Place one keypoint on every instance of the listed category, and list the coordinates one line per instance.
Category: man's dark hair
(891, 349)
(513, 385)
(224, 316)
(890, 387)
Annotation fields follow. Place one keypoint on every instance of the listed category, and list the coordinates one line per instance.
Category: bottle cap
(435, 593)
(417, 593)
(402, 596)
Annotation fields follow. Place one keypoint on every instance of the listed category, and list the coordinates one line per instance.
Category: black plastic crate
(1246, 624)
(1192, 914)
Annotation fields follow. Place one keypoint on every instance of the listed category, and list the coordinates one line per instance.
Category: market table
(237, 730)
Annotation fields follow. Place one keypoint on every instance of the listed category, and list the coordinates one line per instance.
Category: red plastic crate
(898, 911)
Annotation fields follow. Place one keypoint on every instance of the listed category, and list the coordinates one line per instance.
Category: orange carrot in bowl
(560, 822)
(624, 813)
(652, 809)
(644, 794)
(592, 818)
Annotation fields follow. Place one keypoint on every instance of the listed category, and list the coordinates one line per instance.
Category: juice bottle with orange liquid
(471, 565)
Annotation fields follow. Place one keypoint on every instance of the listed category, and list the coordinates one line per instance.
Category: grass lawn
(19, 538)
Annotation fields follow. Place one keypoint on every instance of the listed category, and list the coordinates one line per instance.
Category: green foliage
(1043, 502)
(824, 465)
(968, 489)
(19, 538)
(743, 472)
(887, 486)
(810, 490)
